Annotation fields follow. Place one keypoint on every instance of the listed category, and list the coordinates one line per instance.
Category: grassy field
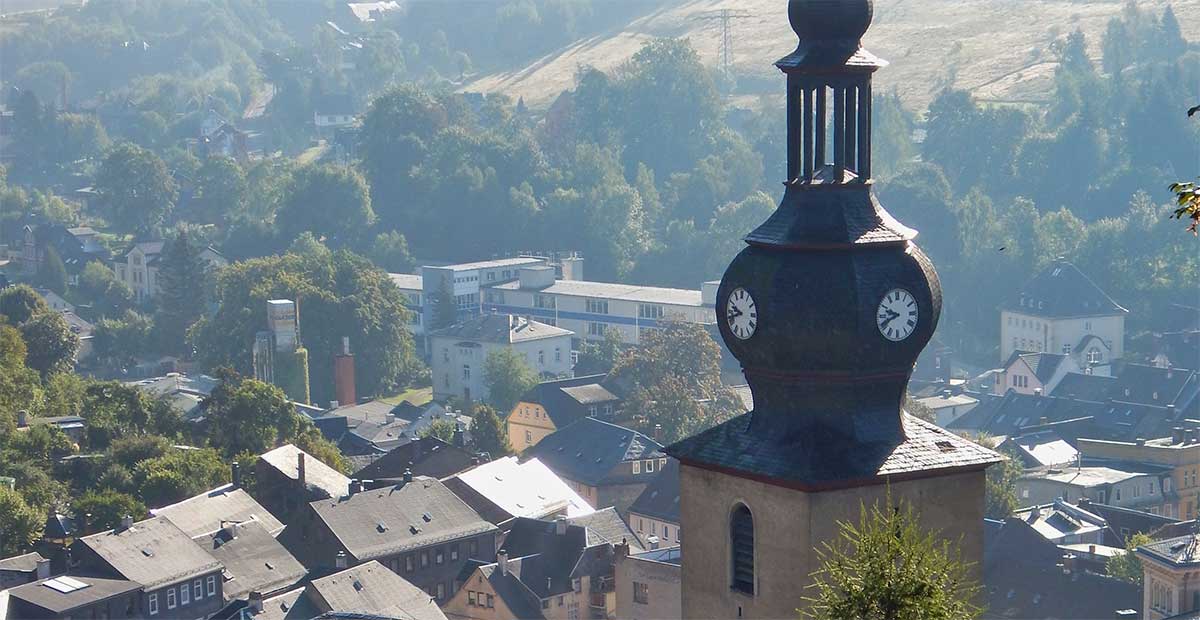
(998, 49)
(416, 396)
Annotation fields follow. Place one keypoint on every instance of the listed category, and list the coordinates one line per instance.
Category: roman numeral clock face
(741, 314)
(897, 315)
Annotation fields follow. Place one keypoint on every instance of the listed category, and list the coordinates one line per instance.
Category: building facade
(138, 267)
(648, 584)
(459, 352)
(1179, 455)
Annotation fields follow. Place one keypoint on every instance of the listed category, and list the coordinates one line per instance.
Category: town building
(608, 465)
(1177, 454)
(1140, 384)
(1040, 449)
(212, 510)
(332, 111)
(414, 301)
(1060, 310)
(425, 456)
(555, 404)
(648, 584)
(361, 592)
(1169, 585)
(654, 515)
(948, 407)
(1033, 373)
(461, 350)
(138, 267)
(419, 529)
(22, 569)
(288, 478)
(1128, 485)
(252, 560)
(827, 310)
(1018, 414)
(464, 282)
(75, 597)
(505, 489)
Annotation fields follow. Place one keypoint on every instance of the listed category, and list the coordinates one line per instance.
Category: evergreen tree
(888, 567)
(489, 432)
(445, 309)
(181, 278)
(52, 273)
(1171, 43)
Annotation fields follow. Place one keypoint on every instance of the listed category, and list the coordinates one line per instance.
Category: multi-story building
(591, 309)
(1179, 454)
(138, 267)
(551, 405)
(648, 584)
(465, 282)
(1062, 311)
(1127, 485)
(1169, 585)
(460, 351)
(414, 296)
(654, 515)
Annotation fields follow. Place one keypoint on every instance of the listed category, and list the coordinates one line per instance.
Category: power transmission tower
(725, 53)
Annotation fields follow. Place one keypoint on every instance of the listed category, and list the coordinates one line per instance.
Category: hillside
(998, 49)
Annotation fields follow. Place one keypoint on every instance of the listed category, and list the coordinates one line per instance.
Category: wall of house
(121, 606)
(1020, 379)
(572, 312)
(789, 524)
(458, 370)
(663, 590)
(1167, 592)
(1111, 329)
(668, 532)
(1023, 332)
(528, 423)
(210, 601)
(478, 588)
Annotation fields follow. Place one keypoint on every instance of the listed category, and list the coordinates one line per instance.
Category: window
(1117, 494)
(185, 594)
(546, 302)
(408, 563)
(558, 354)
(466, 372)
(454, 552)
(1093, 356)
(439, 557)
(529, 437)
(424, 559)
(171, 598)
(1150, 485)
(666, 533)
(1024, 493)
(1166, 485)
(641, 593)
(650, 311)
(650, 466)
(445, 354)
(472, 548)
(1087, 326)
(541, 358)
(741, 535)
(560, 601)
(654, 528)
(197, 590)
(470, 598)
(641, 525)
(212, 585)
(596, 329)
(489, 601)
(637, 467)
(491, 276)
(1066, 349)
(546, 604)
(597, 306)
(441, 591)
(153, 602)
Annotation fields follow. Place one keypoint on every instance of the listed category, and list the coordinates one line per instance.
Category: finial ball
(830, 19)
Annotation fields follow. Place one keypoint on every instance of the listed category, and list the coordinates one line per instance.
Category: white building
(591, 309)
(138, 267)
(1062, 311)
(459, 352)
(414, 300)
(947, 407)
(1033, 373)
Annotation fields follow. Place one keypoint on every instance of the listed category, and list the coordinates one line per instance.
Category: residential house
(948, 407)
(175, 576)
(460, 351)
(365, 428)
(1129, 485)
(648, 584)
(365, 591)
(1139, 384)
(1033, 373)
(252, 560)
(24, 568)
(608, 465)
(425, 456)
(551, 405)
(186, 393)
(505, 489)
(607, 526)
(418, 529)
(1061, 311)
(76, 597)
(654, 515)
(1169, 585)
(1063, 523)
(1178, 454)
(138, 267)
(212, 510)
(75, 246)
(1017, 414)
(72, 426)
(1040, 449)
(332, 111)
(288, 478)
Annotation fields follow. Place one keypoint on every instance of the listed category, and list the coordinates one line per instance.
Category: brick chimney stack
(343, 374)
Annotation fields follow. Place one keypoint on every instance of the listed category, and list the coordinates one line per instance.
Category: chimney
(502, 561)
(407, 476)
(256, 602)
(43, 569)
(560, 525)
(355, 486)
(230, 529)
(460, 438)
(621, 550)
(1140, 441)
(1177, 435)
(1068, 563)
(1044, 420)
(1037, 391)
(300, 477)
(343, 373)
(235, 474)
(83, 524)
(333, 404)
(126, 522)
(22, 418)
(652, 542)
(658, 433)
(1092, 549)
(340, 561)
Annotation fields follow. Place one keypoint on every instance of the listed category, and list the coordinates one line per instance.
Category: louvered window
(741, 533)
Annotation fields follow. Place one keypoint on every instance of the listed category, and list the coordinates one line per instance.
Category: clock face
(897, 315)
(741, 314)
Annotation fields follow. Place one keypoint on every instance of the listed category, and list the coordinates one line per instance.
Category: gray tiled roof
(1061, 290)
(927, 448)
(152, 552)
(97, 589)
(317, 475)
(1043, 365)
(589, 394)
(290, 605)
(607, 526)
(517, 596)
(26, 563)
(1179, 551)
(588, 450)
(389, 520)
(501, 328)
(371, 588)
(205, 512)
(660, 498)
(254, 561)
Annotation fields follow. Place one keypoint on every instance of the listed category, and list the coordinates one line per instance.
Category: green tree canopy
(247, 415)
(20, 524)
(329, 201)
(220, 191)
(507, 377)
(108, 507)
(20, 303)
(51, 343)
(52, 273)
(442, 429)
(1000, 496)
(489, 432)
(179, 474)
(182, 276)
(1126, 566)
(136, 190)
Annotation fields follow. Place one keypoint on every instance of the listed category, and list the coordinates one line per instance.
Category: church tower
(826, 308)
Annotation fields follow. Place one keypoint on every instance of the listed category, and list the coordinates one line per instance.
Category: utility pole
(725, 53)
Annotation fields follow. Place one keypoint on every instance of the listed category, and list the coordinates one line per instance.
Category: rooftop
(406, 281)
(152, 552)
(670, 555)
(254, 561)
(426, 456)
(317, 475)
(1178, 551)
(1060, 290)
(208, 511)
(1043, 365)
(501, 329)
(622, 292)
(371, 588)
(26, 563)
(491, 264)
(660, 499)
(588, 450)
(526, 489)
(1096, 475)
(606, 526)
(62, 594)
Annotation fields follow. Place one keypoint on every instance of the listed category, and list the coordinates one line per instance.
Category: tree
(136, 191)
(20, 524)
(181, 276)
(51, 343)
(108, 507)
(115, 410)
(220, 191)
(329, 201)
(1000, 488)
(489, 432)
(179, 474)
(121, 340)
(597, 357)
(390, 252)
(52, 273)
(889, 567)
(313, 442)
(248, 415)
(507, 378)
(1126, 566)
(20, 303)
(442, 429)
(445, 307)
(99, 284)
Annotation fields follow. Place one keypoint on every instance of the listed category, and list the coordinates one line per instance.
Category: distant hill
(998, 49)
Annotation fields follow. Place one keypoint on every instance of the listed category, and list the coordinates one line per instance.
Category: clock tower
(826, 308)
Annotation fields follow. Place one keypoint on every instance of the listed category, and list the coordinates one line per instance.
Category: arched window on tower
(741, 538)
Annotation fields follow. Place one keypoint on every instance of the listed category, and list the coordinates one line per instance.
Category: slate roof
(254, 561)
(730, 447)
(549, 558)
(1133, 521)
(98, 589)
(1015, 414)
(501, 329)
(1059, 521)
(152, 552)
(1060, 290)
(1139, 383)
(290, 605)
(26, 563)
(506, 488)
(606, 526)
(205, 512)
(59, 526)
(1179, 551)
(660, 499)
(1043, 365)
(590, 394)
(390, 520)
(554, 398)
(1041, 448)
(371, 588)
(317, 475)
(520, 600)
(588, 450)
(1084, 387)
(426, 456)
